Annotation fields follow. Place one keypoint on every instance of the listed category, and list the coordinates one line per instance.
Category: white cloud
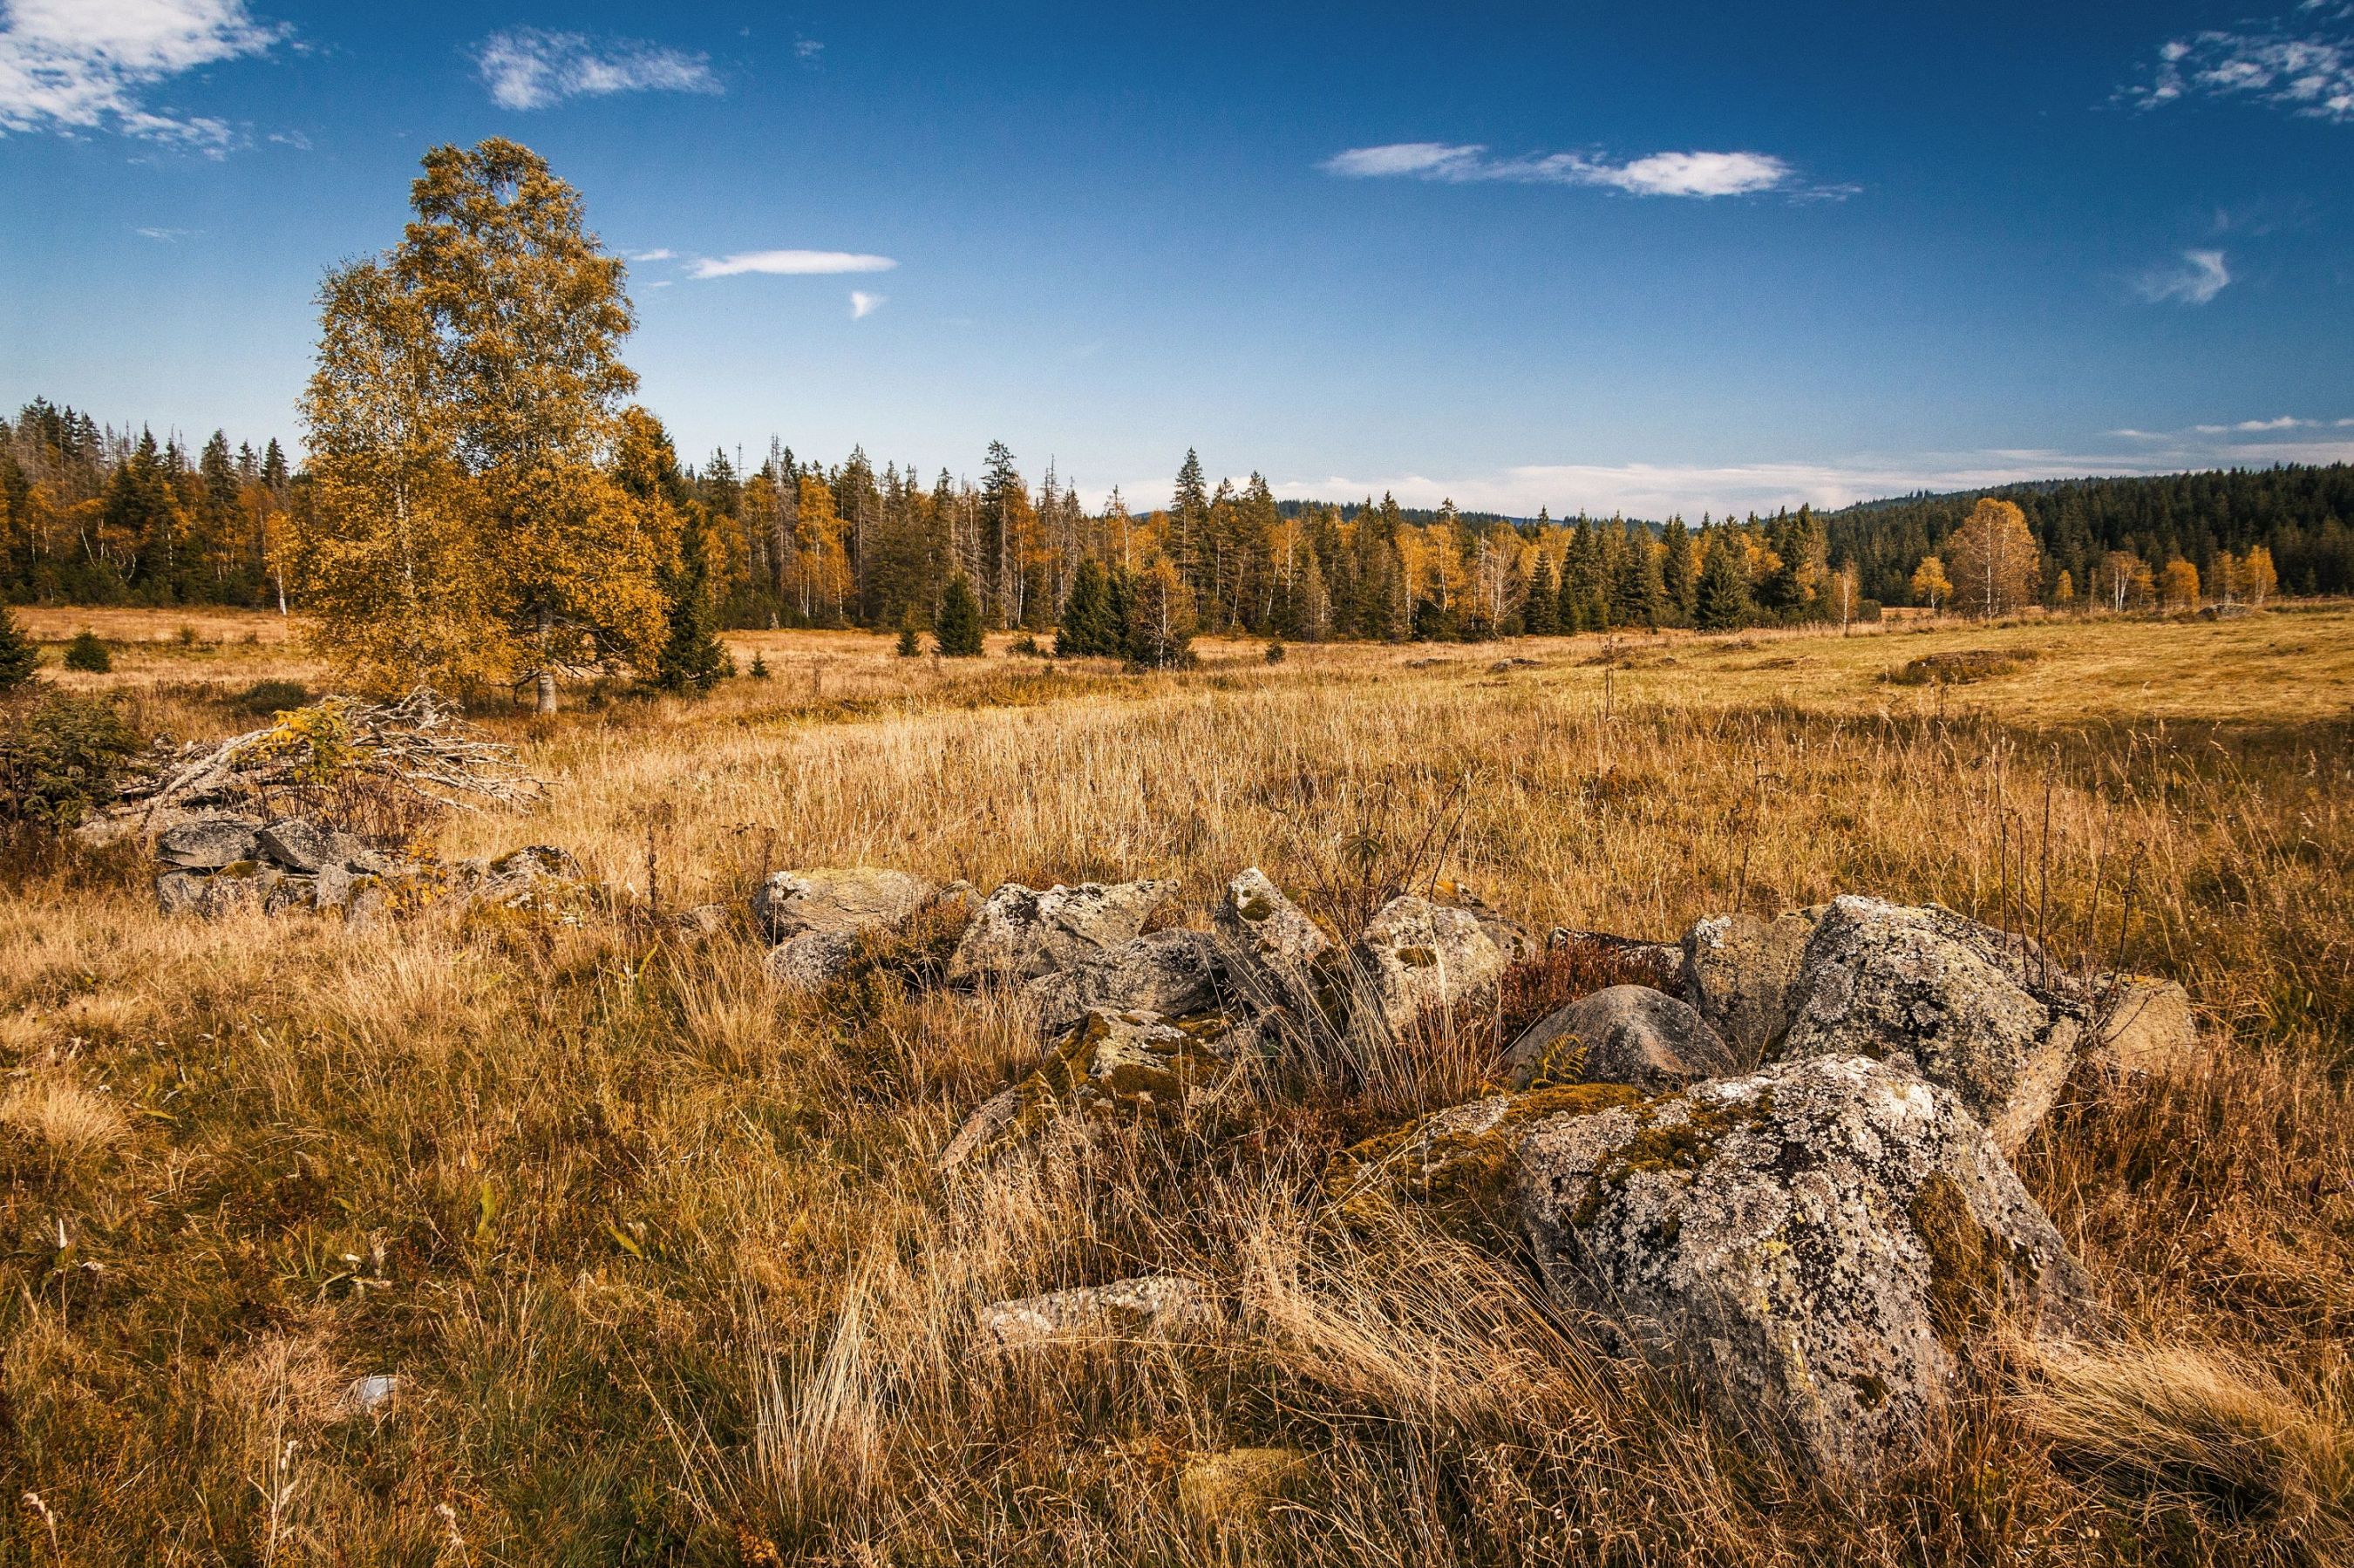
(527, 68)
(2312, 75)
(863, 304)
(1700, 175)
(791, 263)
(659, 253)
(2200, 278)
(86, 65)
(167, 236)
(1659, 489)
(807, 50)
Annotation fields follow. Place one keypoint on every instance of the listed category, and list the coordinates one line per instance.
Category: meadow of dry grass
(663, 1267)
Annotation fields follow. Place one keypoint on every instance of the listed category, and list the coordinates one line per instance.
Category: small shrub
(1537, 987)
(88, 654)
(264, 698)
(186, 636)
(909, 646)
(1957, 669)
(1275, 651)
(60, 761)
(1027, 647)
(759, 670)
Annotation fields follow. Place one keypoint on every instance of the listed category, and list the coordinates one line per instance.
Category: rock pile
(1793, 1175)
(216, 867)
(220, 865)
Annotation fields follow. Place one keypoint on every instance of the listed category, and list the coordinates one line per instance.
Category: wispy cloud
(1660, 490)
(2309, 72)
(807, 50)
(167, 236)
(527, 68)
(863, 304)
(659, 253)
(791, 263)
(68, 66)
(1702, 174)
(2198, 278)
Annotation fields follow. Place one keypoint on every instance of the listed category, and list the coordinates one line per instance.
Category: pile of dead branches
(379, 769)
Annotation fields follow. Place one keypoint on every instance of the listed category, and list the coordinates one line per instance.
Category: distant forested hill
(2305, 516)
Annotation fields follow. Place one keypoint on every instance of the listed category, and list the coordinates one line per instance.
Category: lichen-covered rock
(2144, 1027)
(1020, 933)
(332, 887)
(808, 962)
(1419, 962)
(1455, 1164)
(207, 845)
(840, 899)
(297, 844)
(1511, 939)
(243, 887)
(1156, 1303)
(1622, 1035)
(1944, 995)
(1271, 939)
(179, 892)
(1737, 970)
(1820, 1238)
(1172, 972)
(1110, 1066)
(537, 876)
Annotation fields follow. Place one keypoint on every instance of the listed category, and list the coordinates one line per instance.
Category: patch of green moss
(1969, 1266)
(1870, 1388)
(1684, 1146)
(1255, 909)
(1417, 957)
(1461, 1179)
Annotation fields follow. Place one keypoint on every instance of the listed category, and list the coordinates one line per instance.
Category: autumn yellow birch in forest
(1993, 560)
(504, 318)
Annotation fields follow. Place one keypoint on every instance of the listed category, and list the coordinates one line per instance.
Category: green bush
(61, 759)
(86, 652)
(264, 698)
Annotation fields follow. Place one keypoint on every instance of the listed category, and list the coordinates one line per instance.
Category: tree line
(481, 503)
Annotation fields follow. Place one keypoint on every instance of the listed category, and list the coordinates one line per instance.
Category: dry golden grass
(661, 1259)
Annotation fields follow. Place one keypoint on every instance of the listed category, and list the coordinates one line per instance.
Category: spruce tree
(1722, 597)
(956, 632)
(908, 646)
(19, 659)
(691, 657)
(1540, 610)
(1680, 571)
(1087, 629)
(1636, 594)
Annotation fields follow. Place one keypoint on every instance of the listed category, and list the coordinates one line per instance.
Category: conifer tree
(19, 659)
(1540, 609)
(693, 659)
(1087, 629)
(1678, 571)
(956, 632)
(1636, 594)
(1721, 601)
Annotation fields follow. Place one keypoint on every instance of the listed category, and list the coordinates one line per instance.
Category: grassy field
(661, 1261)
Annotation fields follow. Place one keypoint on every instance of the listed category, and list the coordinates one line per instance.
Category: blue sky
(1661, 257)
